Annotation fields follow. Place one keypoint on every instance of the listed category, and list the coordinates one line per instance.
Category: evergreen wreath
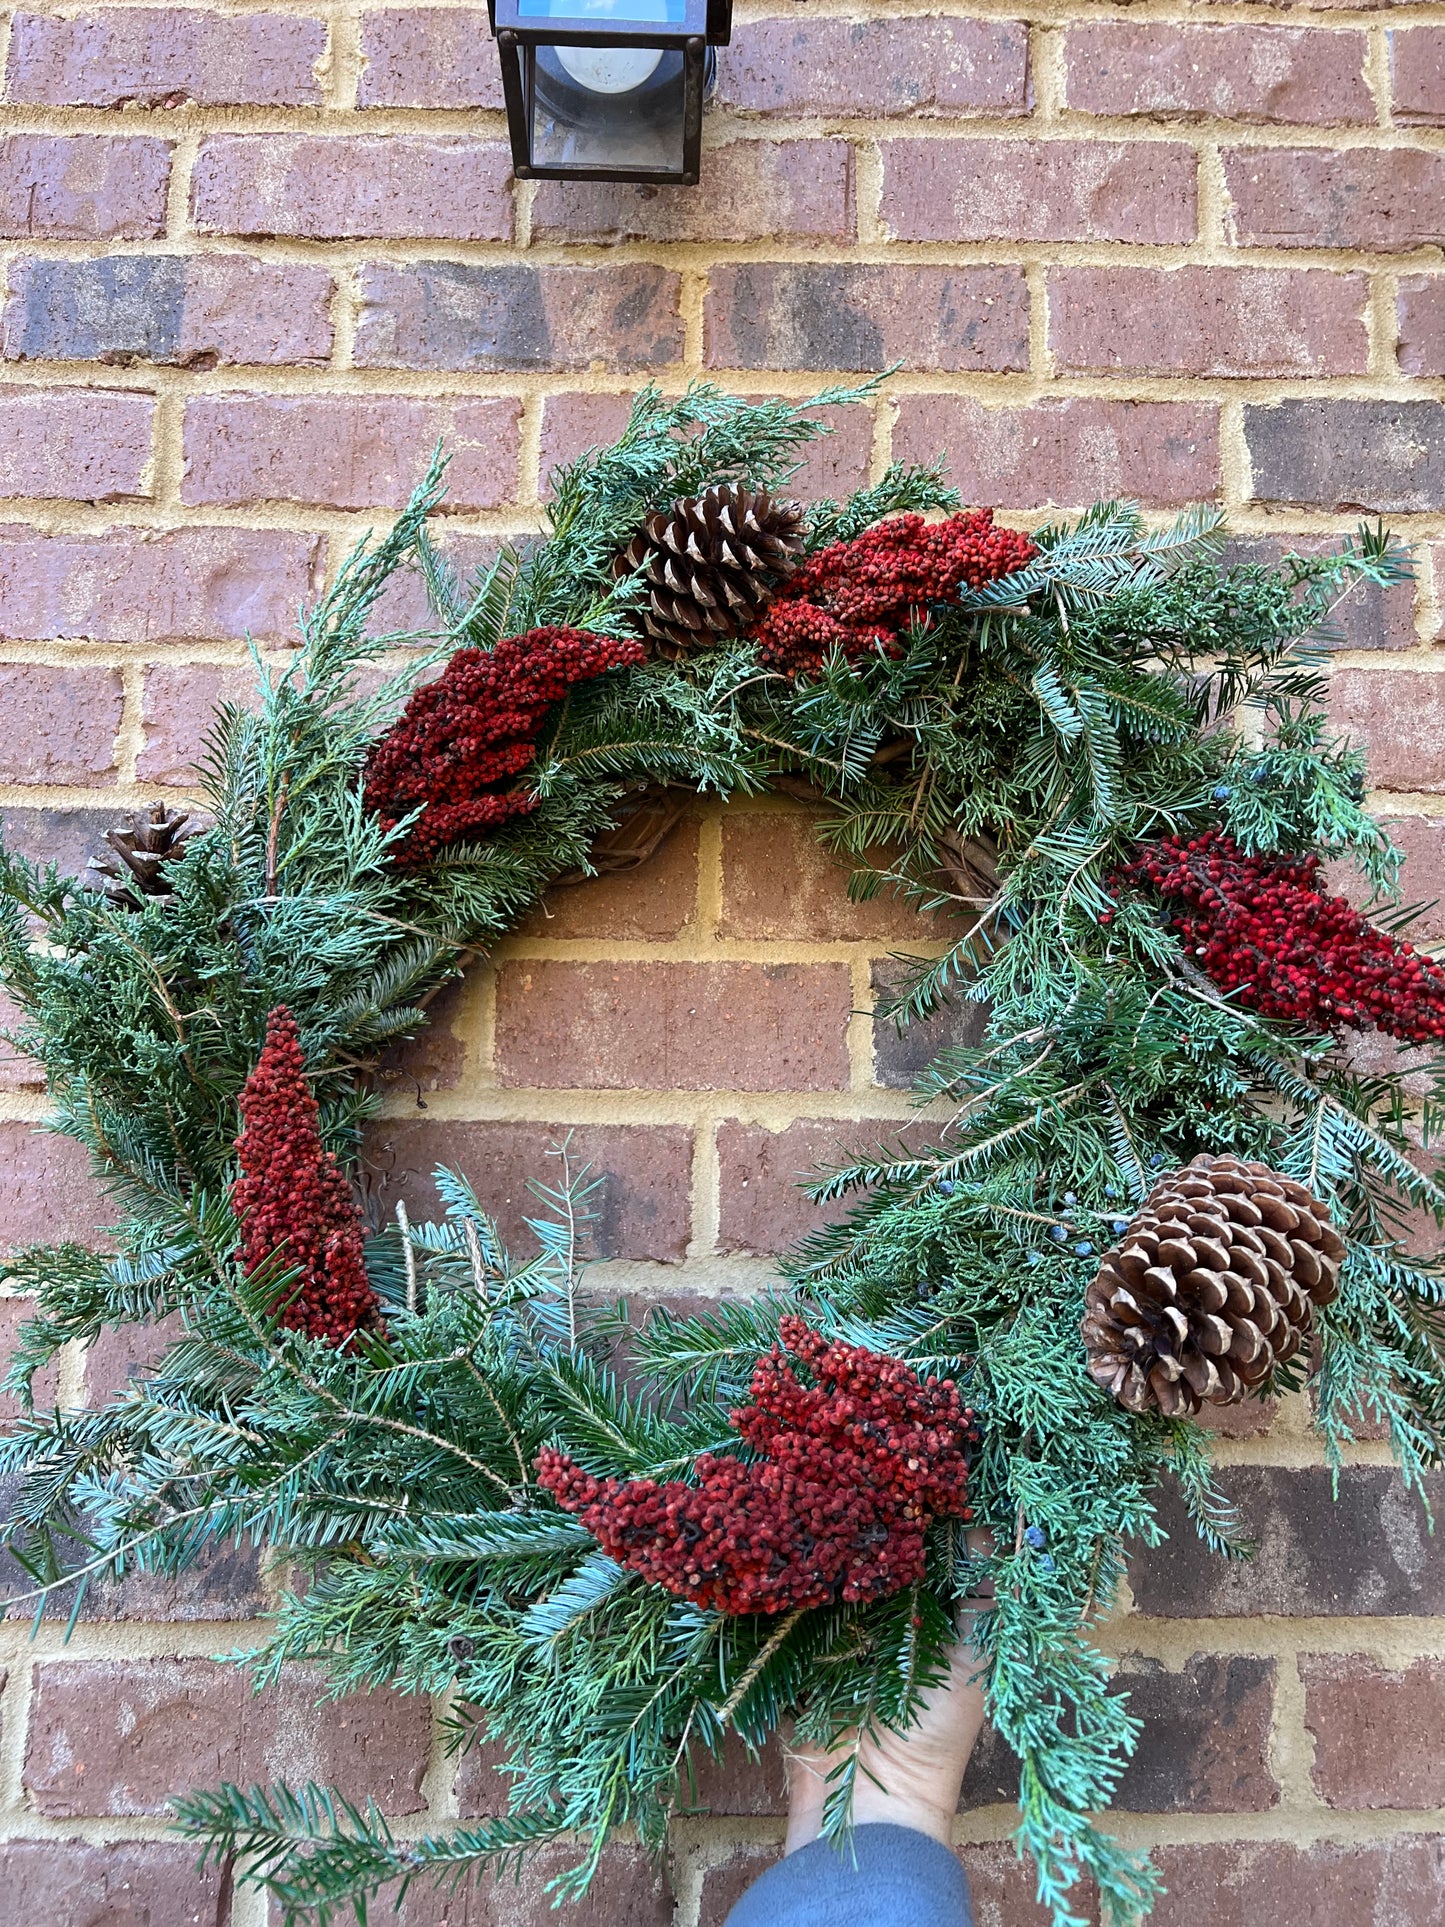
(1102, 751)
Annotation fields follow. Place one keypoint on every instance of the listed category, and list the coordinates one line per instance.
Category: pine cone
(1210, 1288)
(711, 563)
(141, 845)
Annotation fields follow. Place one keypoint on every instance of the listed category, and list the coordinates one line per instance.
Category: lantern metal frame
(519, 33)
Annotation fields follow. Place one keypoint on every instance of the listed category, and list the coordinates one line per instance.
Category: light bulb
(609, 70)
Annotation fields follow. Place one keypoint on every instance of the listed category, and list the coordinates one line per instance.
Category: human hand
(909, 1779)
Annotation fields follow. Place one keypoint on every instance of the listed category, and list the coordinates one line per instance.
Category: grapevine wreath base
(1157, 1185)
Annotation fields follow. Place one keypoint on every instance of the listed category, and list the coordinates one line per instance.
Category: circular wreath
(1157, 1183)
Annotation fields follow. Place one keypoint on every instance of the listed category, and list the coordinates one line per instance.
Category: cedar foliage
(1056, 718)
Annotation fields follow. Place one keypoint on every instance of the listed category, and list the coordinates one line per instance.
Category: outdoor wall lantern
(608, 90)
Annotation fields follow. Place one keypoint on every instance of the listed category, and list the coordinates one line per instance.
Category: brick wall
(256, 260)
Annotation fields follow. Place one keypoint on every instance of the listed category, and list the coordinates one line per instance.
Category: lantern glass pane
(608, 107)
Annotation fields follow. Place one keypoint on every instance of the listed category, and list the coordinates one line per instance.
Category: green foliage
(1000, 772)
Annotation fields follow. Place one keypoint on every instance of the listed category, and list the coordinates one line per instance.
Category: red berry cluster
(459, 741)
(860, 595)
(853, 1469)
(1261, 926)
(292, 1199)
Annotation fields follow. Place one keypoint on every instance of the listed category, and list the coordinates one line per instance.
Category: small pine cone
(1212, 1286)
(711, 564)
(141, 845)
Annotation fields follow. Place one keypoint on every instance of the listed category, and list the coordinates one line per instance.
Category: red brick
(629, 1889)
(46, 1191)
(388, 186)
(164, 56)
(908, 65)
(834, 464)
(60, 723)
(123, 1883)
(837, 315)
(85, 187)
(1207, 321)
(45, 1386)
(1071, 452)
(1379, 1735)
(1396, 1882)
(218, 310)
(762, 1208)
(786, 190)
(1400, 723)
(1417, 70)
(1032, 190)
(91, 444)
(346, 451)
(780, 882)
(646, 904)
(1368, 455)
(1363, 1548)
(673, 1026)
(1420, 312)
(428, 57)
(120, 1736)
(450, 314)
(17, 1071)
(173, 585)
(178, 706)
(1381, 199)
(640, 1209)
(1299, 74)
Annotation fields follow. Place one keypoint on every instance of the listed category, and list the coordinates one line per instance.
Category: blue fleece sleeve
(883, 1877)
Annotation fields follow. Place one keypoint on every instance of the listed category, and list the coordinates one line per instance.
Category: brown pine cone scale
(710, 563)
(1211, 1288)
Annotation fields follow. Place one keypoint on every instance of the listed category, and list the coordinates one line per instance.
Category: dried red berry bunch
(862, 594)
(458, 743)
(292, 1199)
(853, 1469)
(1261, 926)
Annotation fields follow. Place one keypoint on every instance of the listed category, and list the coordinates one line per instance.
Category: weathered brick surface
(1207, 321)
(108, 1735)
(1417, 73)
(797, 190)
(1379, 1733)
(1399, 722)
(826, 316)
(164, 56)
(346, 451)
(221, 310)
(78, 442)
(131, 1883)
(1249, 73)
(428, 57)
(179, 585)
(946, 65)
(673, 1026)
(1239, 1883)
(640, 1209)
(83, 187)
(1383, 200)
(1420, 317)
(1367, 1552)
(390, 186)
(61, 724)
(1029, 190)
(449, 314)
(1349, 454)
(1069, 452)
(46, 1191)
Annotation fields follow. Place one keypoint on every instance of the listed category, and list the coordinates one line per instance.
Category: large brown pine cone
(711, 563)
(141, 845)
(1211, 1287)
